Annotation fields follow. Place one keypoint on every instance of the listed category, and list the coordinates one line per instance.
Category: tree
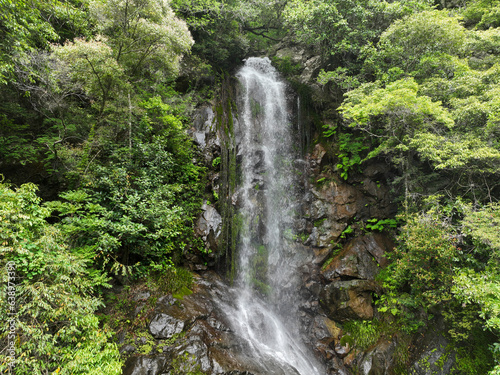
(343, 28)
(146, 37)
(92, 67)
(395, 115)
(420, 35)
(21, 28)
(29, 25)
(139, 207)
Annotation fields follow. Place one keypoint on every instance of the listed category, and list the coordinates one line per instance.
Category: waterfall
(267, 281)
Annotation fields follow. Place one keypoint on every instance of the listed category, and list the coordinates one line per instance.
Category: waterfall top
(262, 65)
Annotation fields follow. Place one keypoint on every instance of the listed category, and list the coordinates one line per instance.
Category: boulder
(352, 299)
(209, 226)
(361, 258)
(203, 119)
(145, 365)
(164, 326)
(379, 360)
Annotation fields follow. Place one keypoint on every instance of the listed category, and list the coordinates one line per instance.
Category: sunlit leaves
(422, 269)
(199, 14)
(482, 14)
(394, 113)
(92, 66)
(484, 225)
(455, 152)
(427, 33)
(344, 26)
(144, 34)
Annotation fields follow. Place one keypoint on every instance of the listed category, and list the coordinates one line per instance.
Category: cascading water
(266, 313)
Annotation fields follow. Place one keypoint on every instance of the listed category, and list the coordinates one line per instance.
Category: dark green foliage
(350, 152)
(55, 294)
(380, 225)
(140, 207)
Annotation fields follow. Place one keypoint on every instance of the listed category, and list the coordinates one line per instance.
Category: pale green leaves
(144, 34)
(92, 66)
(410, 121)
(483, 288)
(199, 14)
(424, 33)
(455, 152)
(399, 103)
(344, 26)
(484, 225)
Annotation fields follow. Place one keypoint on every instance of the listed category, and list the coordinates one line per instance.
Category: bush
(56, 329)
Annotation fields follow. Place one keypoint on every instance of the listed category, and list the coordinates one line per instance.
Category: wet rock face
(146, 365)
(339, 287)
(435, 357)
(164, 326)
(331, 204)
(379, 360)
(347, 283)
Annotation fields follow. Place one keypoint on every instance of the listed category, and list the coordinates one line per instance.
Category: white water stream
(266, 312)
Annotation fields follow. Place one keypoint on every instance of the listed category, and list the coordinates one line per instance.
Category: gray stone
(329, 232)
(145, 365)
(164, 326)
(141, 296)
(209, 226)
(203, 119)
(199, 138)
(311, 68)
(379, 360)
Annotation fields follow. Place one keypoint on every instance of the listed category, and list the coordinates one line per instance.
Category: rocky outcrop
(306, 60)
(361, 258)
(379, 360)
(332, 206)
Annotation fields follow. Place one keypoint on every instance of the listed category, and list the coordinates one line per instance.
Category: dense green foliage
(56, 329)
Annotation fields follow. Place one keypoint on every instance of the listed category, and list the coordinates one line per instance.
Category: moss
(366, 333)
(231, 226)
(318, 223)
(182, 292)
(335, 251)
(402, 354)
(185, 364)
